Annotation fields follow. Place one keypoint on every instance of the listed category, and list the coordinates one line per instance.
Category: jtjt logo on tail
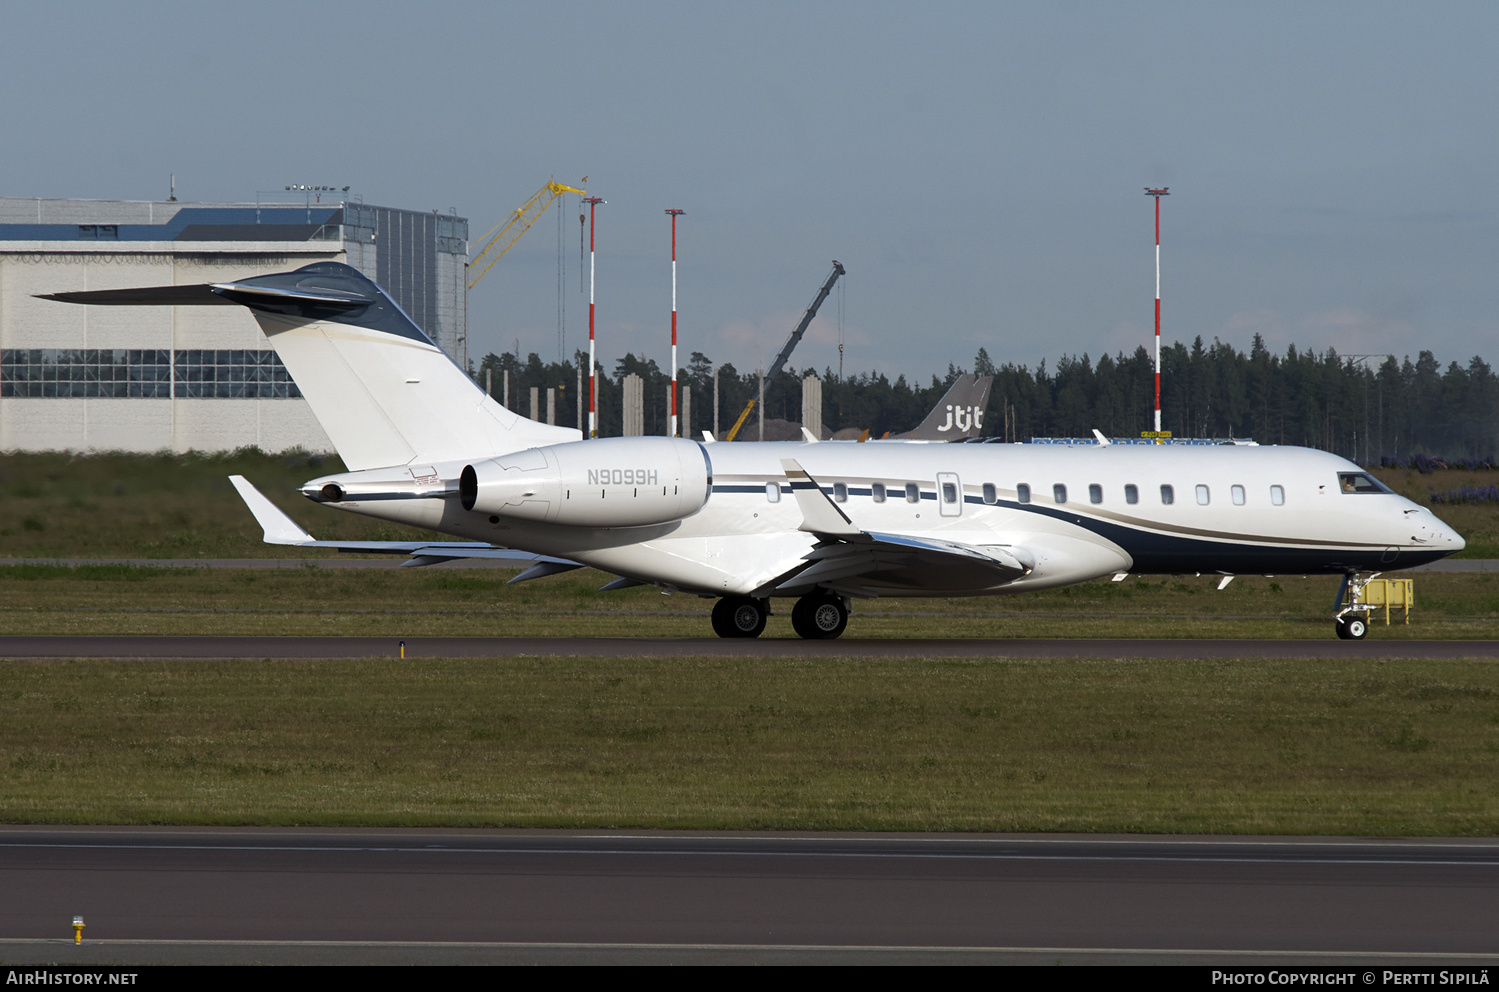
(964, 418)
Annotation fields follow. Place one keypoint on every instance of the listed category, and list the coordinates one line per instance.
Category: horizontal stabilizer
(149, 296)
(248, 294)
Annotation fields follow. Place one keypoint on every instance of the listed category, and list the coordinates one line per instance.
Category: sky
(979, 168)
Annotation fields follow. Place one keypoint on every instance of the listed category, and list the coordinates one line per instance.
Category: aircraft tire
(819, 616)
(739, 616)
(1353, 628)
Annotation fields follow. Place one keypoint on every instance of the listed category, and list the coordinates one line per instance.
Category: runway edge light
(77, 929)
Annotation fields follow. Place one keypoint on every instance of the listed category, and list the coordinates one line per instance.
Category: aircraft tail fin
(383, 391)
(958, 414)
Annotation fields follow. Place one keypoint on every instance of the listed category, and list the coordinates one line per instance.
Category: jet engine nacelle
(606, 482)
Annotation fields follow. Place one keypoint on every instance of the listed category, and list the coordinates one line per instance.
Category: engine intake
(607, 482)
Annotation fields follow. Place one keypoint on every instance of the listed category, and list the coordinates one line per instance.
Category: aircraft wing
(869, 563)
(280, 529)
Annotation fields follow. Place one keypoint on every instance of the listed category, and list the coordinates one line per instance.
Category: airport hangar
(187, 378)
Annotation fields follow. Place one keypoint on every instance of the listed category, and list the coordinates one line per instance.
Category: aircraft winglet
(278, 527)
(820, 515)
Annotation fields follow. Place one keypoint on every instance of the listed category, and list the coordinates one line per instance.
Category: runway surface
(152, 894)
(66, 646)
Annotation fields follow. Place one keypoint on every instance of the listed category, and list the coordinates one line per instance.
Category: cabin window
(991, 495)
(1059, 493)
(1168, 495)
(1277, 495)
(1359, 482)
(878, 492)
(773, 492)
(949, 492)
(1237, 492)
(1023, 492)
(1202, 496)
(913, 493)
(1131, 494)
(840, 492)
(1095, 493)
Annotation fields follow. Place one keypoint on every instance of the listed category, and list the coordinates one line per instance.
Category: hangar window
(991, 495)
(878, 492)
(773, 492)
(1023, 492)
(1237, 492)
(1095, 493)
(1131, 494)
(88, 230)
(1168, 495)
(132, 373)
(1202, 496)
(1059, 493)
(1278, 495)
(840, 492)
(913, 493)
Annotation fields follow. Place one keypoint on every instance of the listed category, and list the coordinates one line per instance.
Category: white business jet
(821, 523)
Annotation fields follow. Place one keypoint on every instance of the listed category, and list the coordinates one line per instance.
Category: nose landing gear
(1351, 619)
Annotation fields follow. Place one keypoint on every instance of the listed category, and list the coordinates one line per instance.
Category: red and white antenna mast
(1157, 193)
(674, 215)
(593, 392)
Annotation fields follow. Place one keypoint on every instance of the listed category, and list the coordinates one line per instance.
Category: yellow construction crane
(502, 236)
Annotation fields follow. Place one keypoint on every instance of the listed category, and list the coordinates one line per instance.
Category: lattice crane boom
(502, 236)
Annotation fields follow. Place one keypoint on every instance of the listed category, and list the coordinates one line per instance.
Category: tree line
(1367, 408)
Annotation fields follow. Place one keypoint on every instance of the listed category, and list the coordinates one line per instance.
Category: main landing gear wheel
(1352, 628)
(819, 616)
(740, 616)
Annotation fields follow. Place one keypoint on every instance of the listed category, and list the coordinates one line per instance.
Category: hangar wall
(86, 378)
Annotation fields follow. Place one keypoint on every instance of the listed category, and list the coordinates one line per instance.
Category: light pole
(593, 392)
(1158, 193)
(674, 214)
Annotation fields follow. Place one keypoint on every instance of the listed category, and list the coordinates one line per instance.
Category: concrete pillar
(632, 417)
(506, 374)
(761, 406)
(812, 405)
(536, 404)
(686, 410)
(551, 405)
(715, 404)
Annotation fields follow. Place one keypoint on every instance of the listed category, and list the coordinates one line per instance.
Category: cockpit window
(1360, 482)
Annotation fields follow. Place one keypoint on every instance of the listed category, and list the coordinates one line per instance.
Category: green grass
(1131, 744)
(163, 506)
(408, 602)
